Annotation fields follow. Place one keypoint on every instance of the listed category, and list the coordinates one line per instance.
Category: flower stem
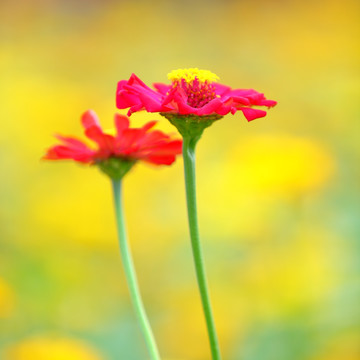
(131, 275)
(189, 145)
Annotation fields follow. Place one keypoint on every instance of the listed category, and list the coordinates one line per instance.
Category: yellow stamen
(111, 131)
(189, 75)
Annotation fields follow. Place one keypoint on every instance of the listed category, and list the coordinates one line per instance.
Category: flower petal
(61, 152)
(221, 89)
(149, 125)
(210, 108)
(136, 95)
(268, 103)
(252, 114)
(130, 143)
(240, 100)
(162, 88)
(89, 119)
(104, 141)
(127, 94)
(150, 103)
(124, 99)
(73, 142)
(173, 147)
(121, 123)
(160, 159)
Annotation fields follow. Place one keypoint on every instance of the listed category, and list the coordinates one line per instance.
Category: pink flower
(192, 92)
(129, 144)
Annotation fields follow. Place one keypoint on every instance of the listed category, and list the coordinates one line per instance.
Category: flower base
(191, 126)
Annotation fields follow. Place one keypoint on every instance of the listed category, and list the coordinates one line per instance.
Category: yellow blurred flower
(345, 347)
(188, 338)
(7, 299)
(275, 282)
(280, 163)
(48, 348)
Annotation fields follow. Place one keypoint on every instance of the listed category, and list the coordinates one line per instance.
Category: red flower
(129, 144)
(192, 92)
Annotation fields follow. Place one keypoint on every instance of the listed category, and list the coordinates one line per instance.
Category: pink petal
(268, 103)
(223, 109)
(244, 92)
(149, 103)
(162, 88)
(134, 80)
(178, 100)
(135, 108)
(124, 99)
(210, 107)
(240, 100)
(127, 94)
(221, 89)
(252, 114)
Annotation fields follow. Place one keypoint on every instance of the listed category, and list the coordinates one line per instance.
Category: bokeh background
(278, 197)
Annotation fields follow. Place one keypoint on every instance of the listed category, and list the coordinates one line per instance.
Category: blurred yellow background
(278, 197)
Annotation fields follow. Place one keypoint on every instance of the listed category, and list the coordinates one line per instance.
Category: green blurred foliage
(278, 197)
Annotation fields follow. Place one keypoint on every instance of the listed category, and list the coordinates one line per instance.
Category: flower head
(116, 154)
(192, 92)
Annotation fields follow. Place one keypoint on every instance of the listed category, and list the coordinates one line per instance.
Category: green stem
(131, 275)
(189, 144)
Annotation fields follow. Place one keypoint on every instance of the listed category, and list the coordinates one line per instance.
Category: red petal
(105, 141)
(160, 159)
(173, 147)
(149, 125)
(121, 123)
(153, 138)
(73, 142)
(129, 140)
(60, 152)
(89, 119)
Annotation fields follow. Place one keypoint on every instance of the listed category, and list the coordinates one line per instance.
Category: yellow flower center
(197, 85)
(110, 131)
(189, 75)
